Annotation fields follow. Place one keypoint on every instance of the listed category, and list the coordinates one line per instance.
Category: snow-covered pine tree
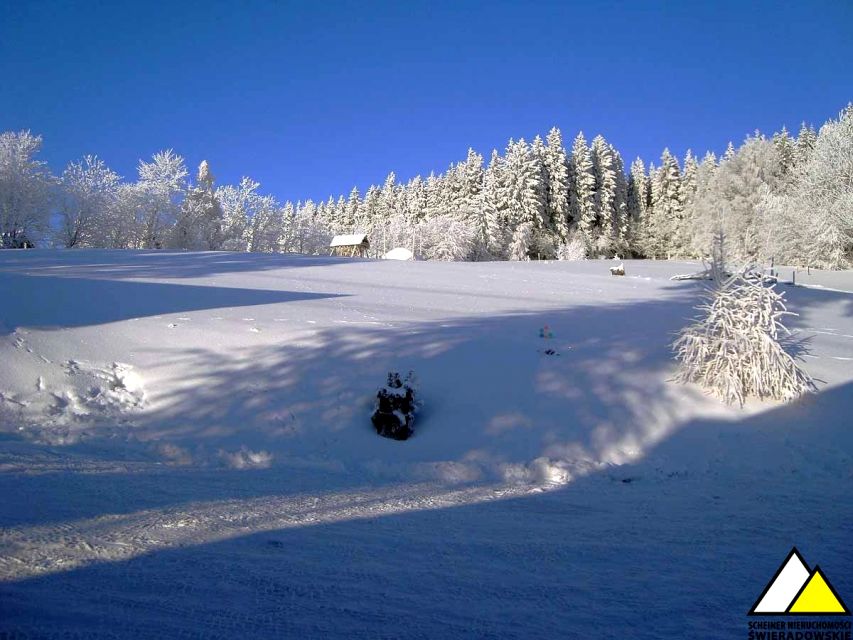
(785, 147)
(522, 240)
(622, 231)
(557, 194)
(434, 192)
(416, 200)
(369, 218)
(339, 218)
(582, 196)
(545, 237)
(522, 192)
(200, 220)
(470, 206)
(495, 208)
(689, 186)
(637, 205)
(352, 215)
(806, 139)
(735, 349)
(605, 195)
(666, 214)
(703, 222)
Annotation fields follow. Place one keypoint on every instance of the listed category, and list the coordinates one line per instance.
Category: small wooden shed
(354, 244)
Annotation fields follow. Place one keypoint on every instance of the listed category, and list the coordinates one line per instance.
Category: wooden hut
(354, 244)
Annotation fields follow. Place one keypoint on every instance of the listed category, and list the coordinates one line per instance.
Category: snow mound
(400, 253)
(245, 458)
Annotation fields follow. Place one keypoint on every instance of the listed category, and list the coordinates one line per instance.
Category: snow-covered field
(186, 451)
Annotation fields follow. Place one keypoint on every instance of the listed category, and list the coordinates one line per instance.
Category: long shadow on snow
(98, 301)
(677, 544)
(101, 263)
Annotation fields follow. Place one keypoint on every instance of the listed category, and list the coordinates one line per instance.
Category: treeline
(787, 197)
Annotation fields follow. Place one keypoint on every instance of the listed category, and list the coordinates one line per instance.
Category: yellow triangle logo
(817, 596)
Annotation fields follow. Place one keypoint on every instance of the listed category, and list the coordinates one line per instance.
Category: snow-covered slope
(185, 447)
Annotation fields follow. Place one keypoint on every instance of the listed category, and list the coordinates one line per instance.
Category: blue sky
(313, 98)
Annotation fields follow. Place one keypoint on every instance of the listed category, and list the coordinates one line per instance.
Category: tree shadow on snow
(497, 405)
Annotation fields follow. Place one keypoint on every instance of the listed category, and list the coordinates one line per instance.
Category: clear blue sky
(313, 98)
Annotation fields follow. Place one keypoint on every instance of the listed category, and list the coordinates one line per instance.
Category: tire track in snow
(26, 552)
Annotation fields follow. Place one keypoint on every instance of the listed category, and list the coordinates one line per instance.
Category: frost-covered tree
(26, 189)
(264, 231)
(87, 189)
(117, 223)
(731, 201)
(161, 187)
(811, 222)
(444, 238)
(736, 348)
(251, 221)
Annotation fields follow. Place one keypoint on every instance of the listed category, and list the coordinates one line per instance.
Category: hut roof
(353, 239)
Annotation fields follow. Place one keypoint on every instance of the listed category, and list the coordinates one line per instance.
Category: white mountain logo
(797, 590)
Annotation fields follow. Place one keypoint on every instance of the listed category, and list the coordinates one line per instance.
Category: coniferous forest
(787, 196)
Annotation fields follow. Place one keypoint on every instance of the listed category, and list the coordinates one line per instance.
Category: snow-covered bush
(737, 348)
(394, 415)
(573, 249)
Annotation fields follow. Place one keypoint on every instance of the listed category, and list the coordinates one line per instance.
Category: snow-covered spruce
(394, 415)
(736, 350)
